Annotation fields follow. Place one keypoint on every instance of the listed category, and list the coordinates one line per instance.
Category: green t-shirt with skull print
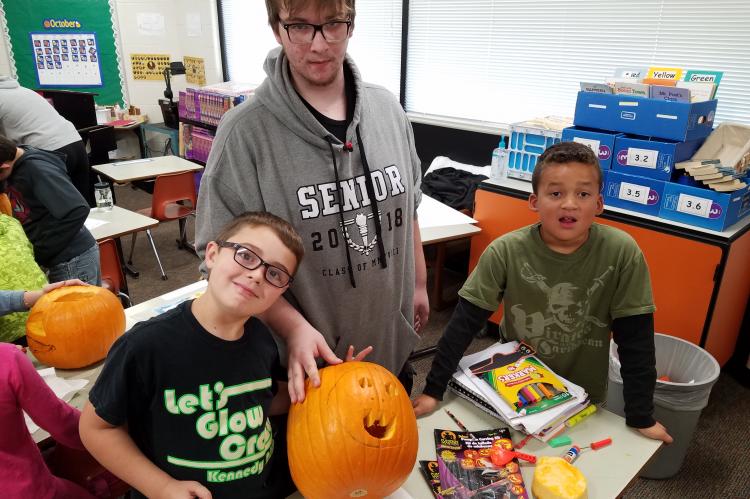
(564, 305)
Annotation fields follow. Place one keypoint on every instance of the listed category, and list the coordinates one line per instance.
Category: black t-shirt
(338, 128)
(196, 405)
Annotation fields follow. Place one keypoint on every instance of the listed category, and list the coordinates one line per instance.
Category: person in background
(51, 211)
(334, 156)
(565, 283)
(28, 119)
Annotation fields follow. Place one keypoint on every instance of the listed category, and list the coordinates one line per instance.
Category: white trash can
(678, 403)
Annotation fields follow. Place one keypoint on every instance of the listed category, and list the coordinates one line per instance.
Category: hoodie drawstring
(373, 200)
(330, 139)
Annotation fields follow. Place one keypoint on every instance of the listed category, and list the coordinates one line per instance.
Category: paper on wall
(150, 24)
(193, 24)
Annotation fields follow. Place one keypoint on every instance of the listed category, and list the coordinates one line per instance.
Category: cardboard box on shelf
(680, 121)
(600, 141)
(704, 207)
(651, 157)
(633, 192)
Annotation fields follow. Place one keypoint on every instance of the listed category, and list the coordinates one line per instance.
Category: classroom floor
(716, 464)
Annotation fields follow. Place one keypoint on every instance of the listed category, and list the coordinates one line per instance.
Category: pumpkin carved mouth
(378, 426)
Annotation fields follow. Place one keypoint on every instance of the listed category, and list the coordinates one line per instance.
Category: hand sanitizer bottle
(499, 160)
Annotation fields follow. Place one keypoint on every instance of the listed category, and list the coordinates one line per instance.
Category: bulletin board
(90, 21)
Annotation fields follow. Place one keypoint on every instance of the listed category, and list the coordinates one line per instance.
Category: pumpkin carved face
(74, 326)
(354, 436)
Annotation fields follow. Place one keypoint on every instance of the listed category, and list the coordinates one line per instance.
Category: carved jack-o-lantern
(74, 326)
(354, 436)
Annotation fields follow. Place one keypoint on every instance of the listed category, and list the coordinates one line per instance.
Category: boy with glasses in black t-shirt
(182, 406)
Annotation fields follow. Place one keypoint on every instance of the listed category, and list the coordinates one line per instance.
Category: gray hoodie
(28, 119)
(271, 154)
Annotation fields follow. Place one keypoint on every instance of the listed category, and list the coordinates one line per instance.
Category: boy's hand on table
(184, 490)
(657, 432)
(424, 404)
(303, 347)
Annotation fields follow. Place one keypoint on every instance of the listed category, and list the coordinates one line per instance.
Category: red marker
(599, 444)
(501, 457)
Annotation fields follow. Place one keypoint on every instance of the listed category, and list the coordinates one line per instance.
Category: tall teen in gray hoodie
(353, 198)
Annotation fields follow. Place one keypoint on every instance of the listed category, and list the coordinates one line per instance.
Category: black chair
(76, 107)
(99, 140)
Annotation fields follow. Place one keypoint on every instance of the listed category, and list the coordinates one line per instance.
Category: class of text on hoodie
(356, 281)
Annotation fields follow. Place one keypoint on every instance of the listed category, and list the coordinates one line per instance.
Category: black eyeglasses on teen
(248, 259)
(332, 31)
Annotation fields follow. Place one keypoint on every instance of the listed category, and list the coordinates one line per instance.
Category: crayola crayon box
(521, 380)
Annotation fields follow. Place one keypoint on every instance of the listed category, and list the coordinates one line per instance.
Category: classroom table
(439, 224)
(117, 222)
(123, 172)
(608, 470)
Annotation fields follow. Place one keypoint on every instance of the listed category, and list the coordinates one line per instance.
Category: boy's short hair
(565, 152)
(283, 230)
(7, 149)
(274, 6)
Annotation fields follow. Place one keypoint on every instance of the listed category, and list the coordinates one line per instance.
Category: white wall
(174, 40)
(5, 68)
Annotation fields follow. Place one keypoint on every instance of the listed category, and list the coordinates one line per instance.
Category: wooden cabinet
(700, 278)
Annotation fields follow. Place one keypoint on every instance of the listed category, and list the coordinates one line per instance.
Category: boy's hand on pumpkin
(303, 348)
(360, 356)
(184, 490)
(424, 404)
(70, 282)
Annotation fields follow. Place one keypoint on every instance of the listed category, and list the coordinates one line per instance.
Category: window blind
(504, 61)
(375, 44)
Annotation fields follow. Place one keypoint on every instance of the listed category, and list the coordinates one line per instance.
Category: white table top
(123, 172)
(117, 222)
(608, 471)
(433, 235)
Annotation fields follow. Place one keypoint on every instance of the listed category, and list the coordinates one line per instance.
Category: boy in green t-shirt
(565, 283)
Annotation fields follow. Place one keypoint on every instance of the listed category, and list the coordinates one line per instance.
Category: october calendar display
(66, 59)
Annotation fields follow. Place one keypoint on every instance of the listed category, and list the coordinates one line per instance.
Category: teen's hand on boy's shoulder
(424, 404)
(360, 356)
(657, 432)
(184, 490)
(303, 347)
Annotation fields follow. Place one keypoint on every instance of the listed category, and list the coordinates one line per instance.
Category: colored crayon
(544, 390)
(532, 394)
(535, 388)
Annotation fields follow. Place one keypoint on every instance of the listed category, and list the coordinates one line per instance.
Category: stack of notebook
(508, 382)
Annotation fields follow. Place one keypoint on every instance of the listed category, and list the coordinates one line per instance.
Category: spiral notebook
(461, 385)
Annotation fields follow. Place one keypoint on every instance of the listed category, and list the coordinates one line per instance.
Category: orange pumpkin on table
(74, 326)
(354, 436)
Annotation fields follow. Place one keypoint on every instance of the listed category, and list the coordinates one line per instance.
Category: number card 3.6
(703, 207)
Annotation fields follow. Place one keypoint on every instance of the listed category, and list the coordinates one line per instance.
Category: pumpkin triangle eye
(390, 389)
(365, 382)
